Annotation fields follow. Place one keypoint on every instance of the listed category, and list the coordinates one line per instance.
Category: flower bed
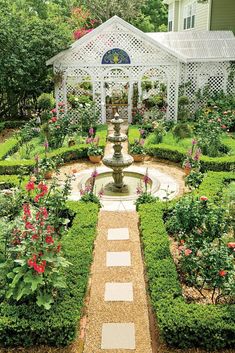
(28, 324)
(182, 325)
(66, 153)
(177, 152)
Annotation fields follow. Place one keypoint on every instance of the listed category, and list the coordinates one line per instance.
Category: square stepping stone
(118, 258)
(118, 234)
(118, 336)
(118, 291)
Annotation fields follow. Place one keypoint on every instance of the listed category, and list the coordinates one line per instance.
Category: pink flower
(26, 209)
(60, 104)
(91, 131)
(219, 120)
(194, 142)
(94, 174)
(187, 252)
(101, 192)
(139, 190)
(203, 198)
(53, 111)
(231, 245)
(223, 126)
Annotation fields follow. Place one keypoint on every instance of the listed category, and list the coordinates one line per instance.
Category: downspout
(209, 14)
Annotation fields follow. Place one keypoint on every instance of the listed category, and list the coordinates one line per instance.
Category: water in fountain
(118, 161)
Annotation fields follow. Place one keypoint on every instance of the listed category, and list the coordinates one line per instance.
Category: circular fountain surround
(161, 183)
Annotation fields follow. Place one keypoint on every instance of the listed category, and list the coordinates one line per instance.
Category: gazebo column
(103, 102)
(139, 91)
(130, 96)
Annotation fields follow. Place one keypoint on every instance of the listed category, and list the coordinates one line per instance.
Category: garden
(60, 233)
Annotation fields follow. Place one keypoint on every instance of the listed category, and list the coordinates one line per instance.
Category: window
(189, 15)
(170, 20)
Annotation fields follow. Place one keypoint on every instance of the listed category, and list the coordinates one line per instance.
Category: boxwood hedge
(182, 325)
(177, 154)
(27, 324)
(68, 154)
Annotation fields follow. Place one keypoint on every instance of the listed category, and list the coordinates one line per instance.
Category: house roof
(187, 46)
(198, 45)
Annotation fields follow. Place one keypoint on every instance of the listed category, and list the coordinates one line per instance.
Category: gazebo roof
(198, 45)
(187, 46)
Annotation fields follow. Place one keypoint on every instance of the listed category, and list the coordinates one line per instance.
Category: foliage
(194, 179)
(143, 192)
(45, 101)
(205, 260)
(209, 132)
(182, 130)
(40, 35)
(212, 326)
(183, 108)
(88, 192)
(137, 147)
(56, 327)
(159, 131)
(33, 261)
(93, 144)
(193, 157)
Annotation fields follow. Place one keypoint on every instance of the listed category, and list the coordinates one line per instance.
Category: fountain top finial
(116, 115)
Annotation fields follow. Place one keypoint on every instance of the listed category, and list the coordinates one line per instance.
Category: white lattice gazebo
(116, 54)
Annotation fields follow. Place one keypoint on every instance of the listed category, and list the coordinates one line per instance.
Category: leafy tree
(157, 13)
(29, 35)
(102, 10)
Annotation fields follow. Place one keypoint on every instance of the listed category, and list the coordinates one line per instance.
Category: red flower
(54, 119)
(53, 111)
(26, 209)
(203, 198)
(60, 104)
(44, 212)
(43, 187)
(31, 263)
(29, 225)
(58, 248)
(39, 268)
(34, 237)
(30, 186)
(231, 245)
(187, 252)
(49, 239)
(223, 126)
(50, 229)
(222, 273)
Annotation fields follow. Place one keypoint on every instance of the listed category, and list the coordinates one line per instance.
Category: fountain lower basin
(161, 183)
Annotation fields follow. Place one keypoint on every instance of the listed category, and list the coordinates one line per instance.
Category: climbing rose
(203, 198)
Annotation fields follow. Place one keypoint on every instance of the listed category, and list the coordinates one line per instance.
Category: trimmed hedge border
(177, 154)
(27, 324)
(182, 325)
(68, 154)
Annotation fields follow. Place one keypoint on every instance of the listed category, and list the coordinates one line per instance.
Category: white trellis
(153, 55)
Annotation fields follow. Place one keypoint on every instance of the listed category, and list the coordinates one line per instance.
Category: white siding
(202, 16)
(201, 19)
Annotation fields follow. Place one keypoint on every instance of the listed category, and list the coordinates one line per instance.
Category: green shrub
(29, 325)
(133, 134)
(181, 325)
(46, 101)
(8, 147)
(182, 130)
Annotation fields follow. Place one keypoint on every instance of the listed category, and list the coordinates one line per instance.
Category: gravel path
(101, 311)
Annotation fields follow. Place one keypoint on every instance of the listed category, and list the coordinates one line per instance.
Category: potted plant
(94, 151)
(46, 166)
(137, 150)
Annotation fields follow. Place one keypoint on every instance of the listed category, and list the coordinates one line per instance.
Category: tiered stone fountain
(118, 161)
